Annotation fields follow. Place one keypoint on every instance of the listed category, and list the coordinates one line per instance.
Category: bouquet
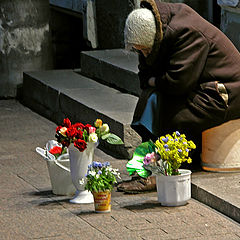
(100, 177)
(80, 134)
(165, 156)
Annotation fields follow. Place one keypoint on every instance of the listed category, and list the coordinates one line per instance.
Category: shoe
(138, 185)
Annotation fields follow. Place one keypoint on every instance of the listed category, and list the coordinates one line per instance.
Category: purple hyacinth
(165, 139)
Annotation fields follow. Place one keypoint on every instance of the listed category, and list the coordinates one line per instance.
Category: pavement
(29, 210)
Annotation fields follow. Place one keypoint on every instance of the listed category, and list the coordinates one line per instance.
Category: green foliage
(112, 138)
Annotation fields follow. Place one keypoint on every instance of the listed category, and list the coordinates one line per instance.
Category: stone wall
(24, 41)
(110, 20)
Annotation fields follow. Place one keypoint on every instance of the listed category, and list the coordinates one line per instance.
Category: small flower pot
(174, 190)
(102, 201)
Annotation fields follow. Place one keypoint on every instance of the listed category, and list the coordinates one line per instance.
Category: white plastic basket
(59, 170)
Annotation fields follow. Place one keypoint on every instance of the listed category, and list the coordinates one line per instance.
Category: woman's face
(145, 51)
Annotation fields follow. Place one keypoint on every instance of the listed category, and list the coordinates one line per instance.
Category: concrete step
(115, 67)
(57, 94)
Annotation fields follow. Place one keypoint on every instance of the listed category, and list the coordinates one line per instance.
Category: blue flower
(95, 164)
(99, 172)
(100, 165)
(180, 150)
(165, 145)
(178, 133)
(106, 164)
(187, 150)
(175, 139)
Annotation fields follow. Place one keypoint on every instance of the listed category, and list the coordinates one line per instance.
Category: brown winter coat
(196, 66)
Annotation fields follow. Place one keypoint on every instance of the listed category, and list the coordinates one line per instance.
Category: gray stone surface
(29, 210)
(63, 93)
(116, 67)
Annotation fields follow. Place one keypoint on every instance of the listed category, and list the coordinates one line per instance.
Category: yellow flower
(63, 131)
(98, 123)
(189, 160)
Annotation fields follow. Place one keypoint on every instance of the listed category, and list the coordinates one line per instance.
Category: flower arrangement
(100, 177)
(165, 156)
(80, 134)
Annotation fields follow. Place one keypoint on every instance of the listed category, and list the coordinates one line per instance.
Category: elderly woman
(189, 72)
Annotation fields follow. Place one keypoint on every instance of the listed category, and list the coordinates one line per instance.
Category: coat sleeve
(144, 73)
(186, 59)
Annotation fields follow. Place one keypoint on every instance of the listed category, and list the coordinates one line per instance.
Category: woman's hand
(151, 82)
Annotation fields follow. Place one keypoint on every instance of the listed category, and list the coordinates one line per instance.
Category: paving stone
(29, 210)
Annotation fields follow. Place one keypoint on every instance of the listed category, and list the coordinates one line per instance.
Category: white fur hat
(140, 28)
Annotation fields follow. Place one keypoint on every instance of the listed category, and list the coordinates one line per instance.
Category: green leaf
(105, 136)
(112, 138)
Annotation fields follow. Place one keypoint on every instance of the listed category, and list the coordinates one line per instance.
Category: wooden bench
(221, 148)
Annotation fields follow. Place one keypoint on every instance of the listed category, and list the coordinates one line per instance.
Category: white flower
(109, 168)
(81, 181)
(97, 175)
(93, 137)
(104, 129)
(92, 173)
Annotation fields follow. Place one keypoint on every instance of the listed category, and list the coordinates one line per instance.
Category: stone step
(57, 94)
(115, 67)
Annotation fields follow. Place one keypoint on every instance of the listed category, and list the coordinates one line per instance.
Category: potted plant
(81, 141)
(100, 180)
(164, 159)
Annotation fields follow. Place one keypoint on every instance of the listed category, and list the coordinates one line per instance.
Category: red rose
(79, 134)
(65, 143)
(67, 123)
(80, 144)
(56, 150)
(87, 126)
(58, 128)
(78, 126)
(72, 132)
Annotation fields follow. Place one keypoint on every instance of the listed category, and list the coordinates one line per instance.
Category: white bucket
(174, 190)
(59, 170)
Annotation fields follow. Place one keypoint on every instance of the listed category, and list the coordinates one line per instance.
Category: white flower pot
(174, 190)
(79, 162)
(59, 171)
